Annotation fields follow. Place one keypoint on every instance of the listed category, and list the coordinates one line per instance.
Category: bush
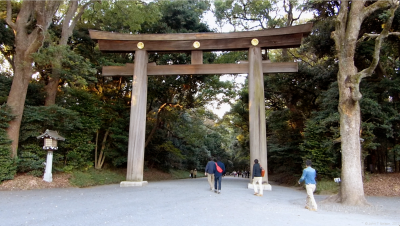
(94, 177)
(30, 160)
(8, 166)
(327, 187)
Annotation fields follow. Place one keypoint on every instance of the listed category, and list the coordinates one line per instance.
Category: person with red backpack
(219, 170)
(257, 177)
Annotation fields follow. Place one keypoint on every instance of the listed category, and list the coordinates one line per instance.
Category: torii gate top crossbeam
(287, 37)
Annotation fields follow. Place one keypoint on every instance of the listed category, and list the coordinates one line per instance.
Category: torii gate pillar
(137, 124)
(258, 138)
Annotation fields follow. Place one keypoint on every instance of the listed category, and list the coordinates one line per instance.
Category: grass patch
(94, 177)
(327, 187)
(183, 174)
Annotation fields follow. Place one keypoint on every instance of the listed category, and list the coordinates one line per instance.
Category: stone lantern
(50, 144)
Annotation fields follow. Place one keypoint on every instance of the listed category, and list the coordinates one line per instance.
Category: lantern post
(50, 144)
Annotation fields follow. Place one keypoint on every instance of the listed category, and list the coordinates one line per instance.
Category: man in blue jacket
(210, 172)
(218, 175)
(308, 176)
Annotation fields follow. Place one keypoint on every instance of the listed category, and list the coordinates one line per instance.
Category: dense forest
(55, 78)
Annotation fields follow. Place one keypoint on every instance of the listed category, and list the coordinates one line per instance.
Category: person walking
(209, 172)
(257, 178)
(195, 173)
(219, 170)
(191, 173)
(308, 177)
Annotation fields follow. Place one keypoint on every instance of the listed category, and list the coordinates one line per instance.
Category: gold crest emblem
(254, 42)
(196, 44)
(140, 45)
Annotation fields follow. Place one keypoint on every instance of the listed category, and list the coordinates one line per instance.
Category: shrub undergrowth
(93, 177)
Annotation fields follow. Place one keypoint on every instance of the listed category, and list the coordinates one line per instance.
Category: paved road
(185, 202)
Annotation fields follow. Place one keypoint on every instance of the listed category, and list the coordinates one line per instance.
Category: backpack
(218, 168)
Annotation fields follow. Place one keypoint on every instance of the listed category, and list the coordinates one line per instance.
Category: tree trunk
(26, 42)
(346, 34)
(352, 190)
(100, 161)
(17, 96)
(52, 87)
(95, 149)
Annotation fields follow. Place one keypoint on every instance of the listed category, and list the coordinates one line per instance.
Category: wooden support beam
(304, 29)
(197, 57)
(137, 125)
(269, 42)
(200, 69)
(258, 137)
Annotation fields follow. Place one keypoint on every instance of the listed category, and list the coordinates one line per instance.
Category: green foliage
(34, 96)
(179, 17)
(73, 69)
(121, 16)
(5, 85)
(248, 15)
(8, 166)
(94, 177)
(32, 158)
(327, 187)
(321, 149)
(77, 121)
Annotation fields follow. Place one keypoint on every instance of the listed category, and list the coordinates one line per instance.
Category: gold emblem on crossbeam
(140, 45)
(254, 42)
(196, 44)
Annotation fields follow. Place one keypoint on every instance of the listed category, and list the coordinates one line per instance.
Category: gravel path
(185, 202)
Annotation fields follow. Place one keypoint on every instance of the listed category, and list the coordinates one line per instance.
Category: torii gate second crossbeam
(196, 43)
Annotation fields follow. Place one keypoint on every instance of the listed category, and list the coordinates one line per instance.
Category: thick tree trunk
(51, 89)
(352, 190)
(26, 42)
(346, 34)
(17, 96)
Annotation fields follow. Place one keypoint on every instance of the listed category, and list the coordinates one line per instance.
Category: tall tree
(30, 28)
(346, 35)
(73, 13)
(248, 14)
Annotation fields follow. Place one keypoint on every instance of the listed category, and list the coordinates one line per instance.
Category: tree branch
(380, 4)
(340, 25)
(373, 36)
(9, 16)
(378, 43)
(69, 26)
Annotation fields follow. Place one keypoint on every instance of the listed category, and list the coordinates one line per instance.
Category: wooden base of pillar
(133, 183)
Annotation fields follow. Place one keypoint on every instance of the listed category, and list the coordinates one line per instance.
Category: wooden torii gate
(196, 43)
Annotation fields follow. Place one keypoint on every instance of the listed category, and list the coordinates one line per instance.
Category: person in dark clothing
(218, 175)
(257, 178)
(209, 172)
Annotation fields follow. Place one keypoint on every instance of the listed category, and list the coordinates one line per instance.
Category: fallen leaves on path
(383, 185)
(29, 182)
